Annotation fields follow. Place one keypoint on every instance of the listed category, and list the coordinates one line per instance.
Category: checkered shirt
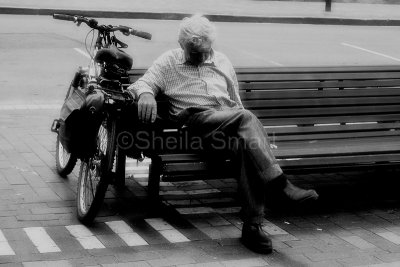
(212, 84)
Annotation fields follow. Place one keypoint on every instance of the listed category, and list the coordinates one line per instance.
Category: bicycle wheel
(94, 175)
(65, 162)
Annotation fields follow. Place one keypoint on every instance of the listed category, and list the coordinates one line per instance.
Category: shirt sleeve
(152, 81)
(234, 89)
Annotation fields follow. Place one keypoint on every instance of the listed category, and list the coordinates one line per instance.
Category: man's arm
(233, 90)
(235, 93)
(146, 88)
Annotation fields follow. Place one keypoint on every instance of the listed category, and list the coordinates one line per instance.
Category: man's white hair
(196, 29)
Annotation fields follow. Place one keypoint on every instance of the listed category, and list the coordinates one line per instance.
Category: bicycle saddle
(113, 55)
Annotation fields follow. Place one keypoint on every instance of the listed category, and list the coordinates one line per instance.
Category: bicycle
(107, 73)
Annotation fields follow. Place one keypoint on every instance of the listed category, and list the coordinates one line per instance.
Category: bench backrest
(349, 101)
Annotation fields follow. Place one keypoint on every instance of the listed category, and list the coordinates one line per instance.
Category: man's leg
(241, 132)
(258, 168)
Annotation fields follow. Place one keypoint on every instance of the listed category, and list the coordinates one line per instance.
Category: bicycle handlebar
(92, 23)
(64, 17)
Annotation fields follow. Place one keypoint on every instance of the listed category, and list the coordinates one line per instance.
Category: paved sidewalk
(355, 223)
(219, 10)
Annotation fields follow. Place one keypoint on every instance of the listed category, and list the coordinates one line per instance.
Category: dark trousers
(240, 131)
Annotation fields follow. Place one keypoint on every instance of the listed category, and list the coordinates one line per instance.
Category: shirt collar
(181, 58)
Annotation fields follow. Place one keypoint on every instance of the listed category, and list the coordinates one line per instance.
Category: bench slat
(332, 147)
(192, 168)
(364, 127)
(316, 84)
(317, 76)
(332, 111)
(333, 128)
(329, 69)
(325, 102)
(294, 94)
(339, 135)
(203, 172)
(328, 120)
(348, 160)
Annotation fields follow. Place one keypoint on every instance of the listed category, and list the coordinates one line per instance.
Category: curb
(217, 18)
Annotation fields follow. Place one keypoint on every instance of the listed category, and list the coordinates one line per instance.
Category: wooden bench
(320, 117)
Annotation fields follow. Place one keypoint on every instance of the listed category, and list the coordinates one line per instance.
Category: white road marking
(392, 237)
(41, 240)
(5, 248)
(370, 51)
(84, 236)
(80, 51)
(167, 230)
(126, 233)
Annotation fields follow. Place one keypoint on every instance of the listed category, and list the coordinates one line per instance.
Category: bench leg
(154, 181)
(120, 162)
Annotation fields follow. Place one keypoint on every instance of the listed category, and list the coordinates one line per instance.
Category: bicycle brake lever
(122, 44)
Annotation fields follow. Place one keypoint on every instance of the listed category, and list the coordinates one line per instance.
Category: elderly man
(202, 90)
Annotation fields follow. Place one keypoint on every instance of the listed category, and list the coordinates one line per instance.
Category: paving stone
(130, 255)
(203, 264)
(107, 259)
(283, 238)
(47, 174)
(47, 194)
(32, 159)
(9, 222)
(17, 264)
(62, 263)
(62, 191)
(377, 240)
(13, 177)
(37, 217)
(392, 264)
(5, 164)
(331, 263)
(358, 259)
(216, 220)
(128, 264)
(171, 261)
(48, 210)
(63, 203)
(359, 242)
(319, 256)
(33, 179)
(245, 262)
(392, 237)
(283, 260)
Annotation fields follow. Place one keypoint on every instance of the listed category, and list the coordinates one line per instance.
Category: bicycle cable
(88, 50)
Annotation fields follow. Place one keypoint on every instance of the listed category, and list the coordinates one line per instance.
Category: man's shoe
(298, 194)
(254, 238)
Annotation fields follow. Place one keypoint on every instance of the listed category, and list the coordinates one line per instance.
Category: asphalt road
(39, 55)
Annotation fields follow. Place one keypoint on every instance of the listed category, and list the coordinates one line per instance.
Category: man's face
(197, 54)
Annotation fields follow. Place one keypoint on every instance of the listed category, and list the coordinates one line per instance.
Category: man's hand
(147, 108)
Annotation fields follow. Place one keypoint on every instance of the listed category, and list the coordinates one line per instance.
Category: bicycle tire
(96, 169)
(65, 162)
